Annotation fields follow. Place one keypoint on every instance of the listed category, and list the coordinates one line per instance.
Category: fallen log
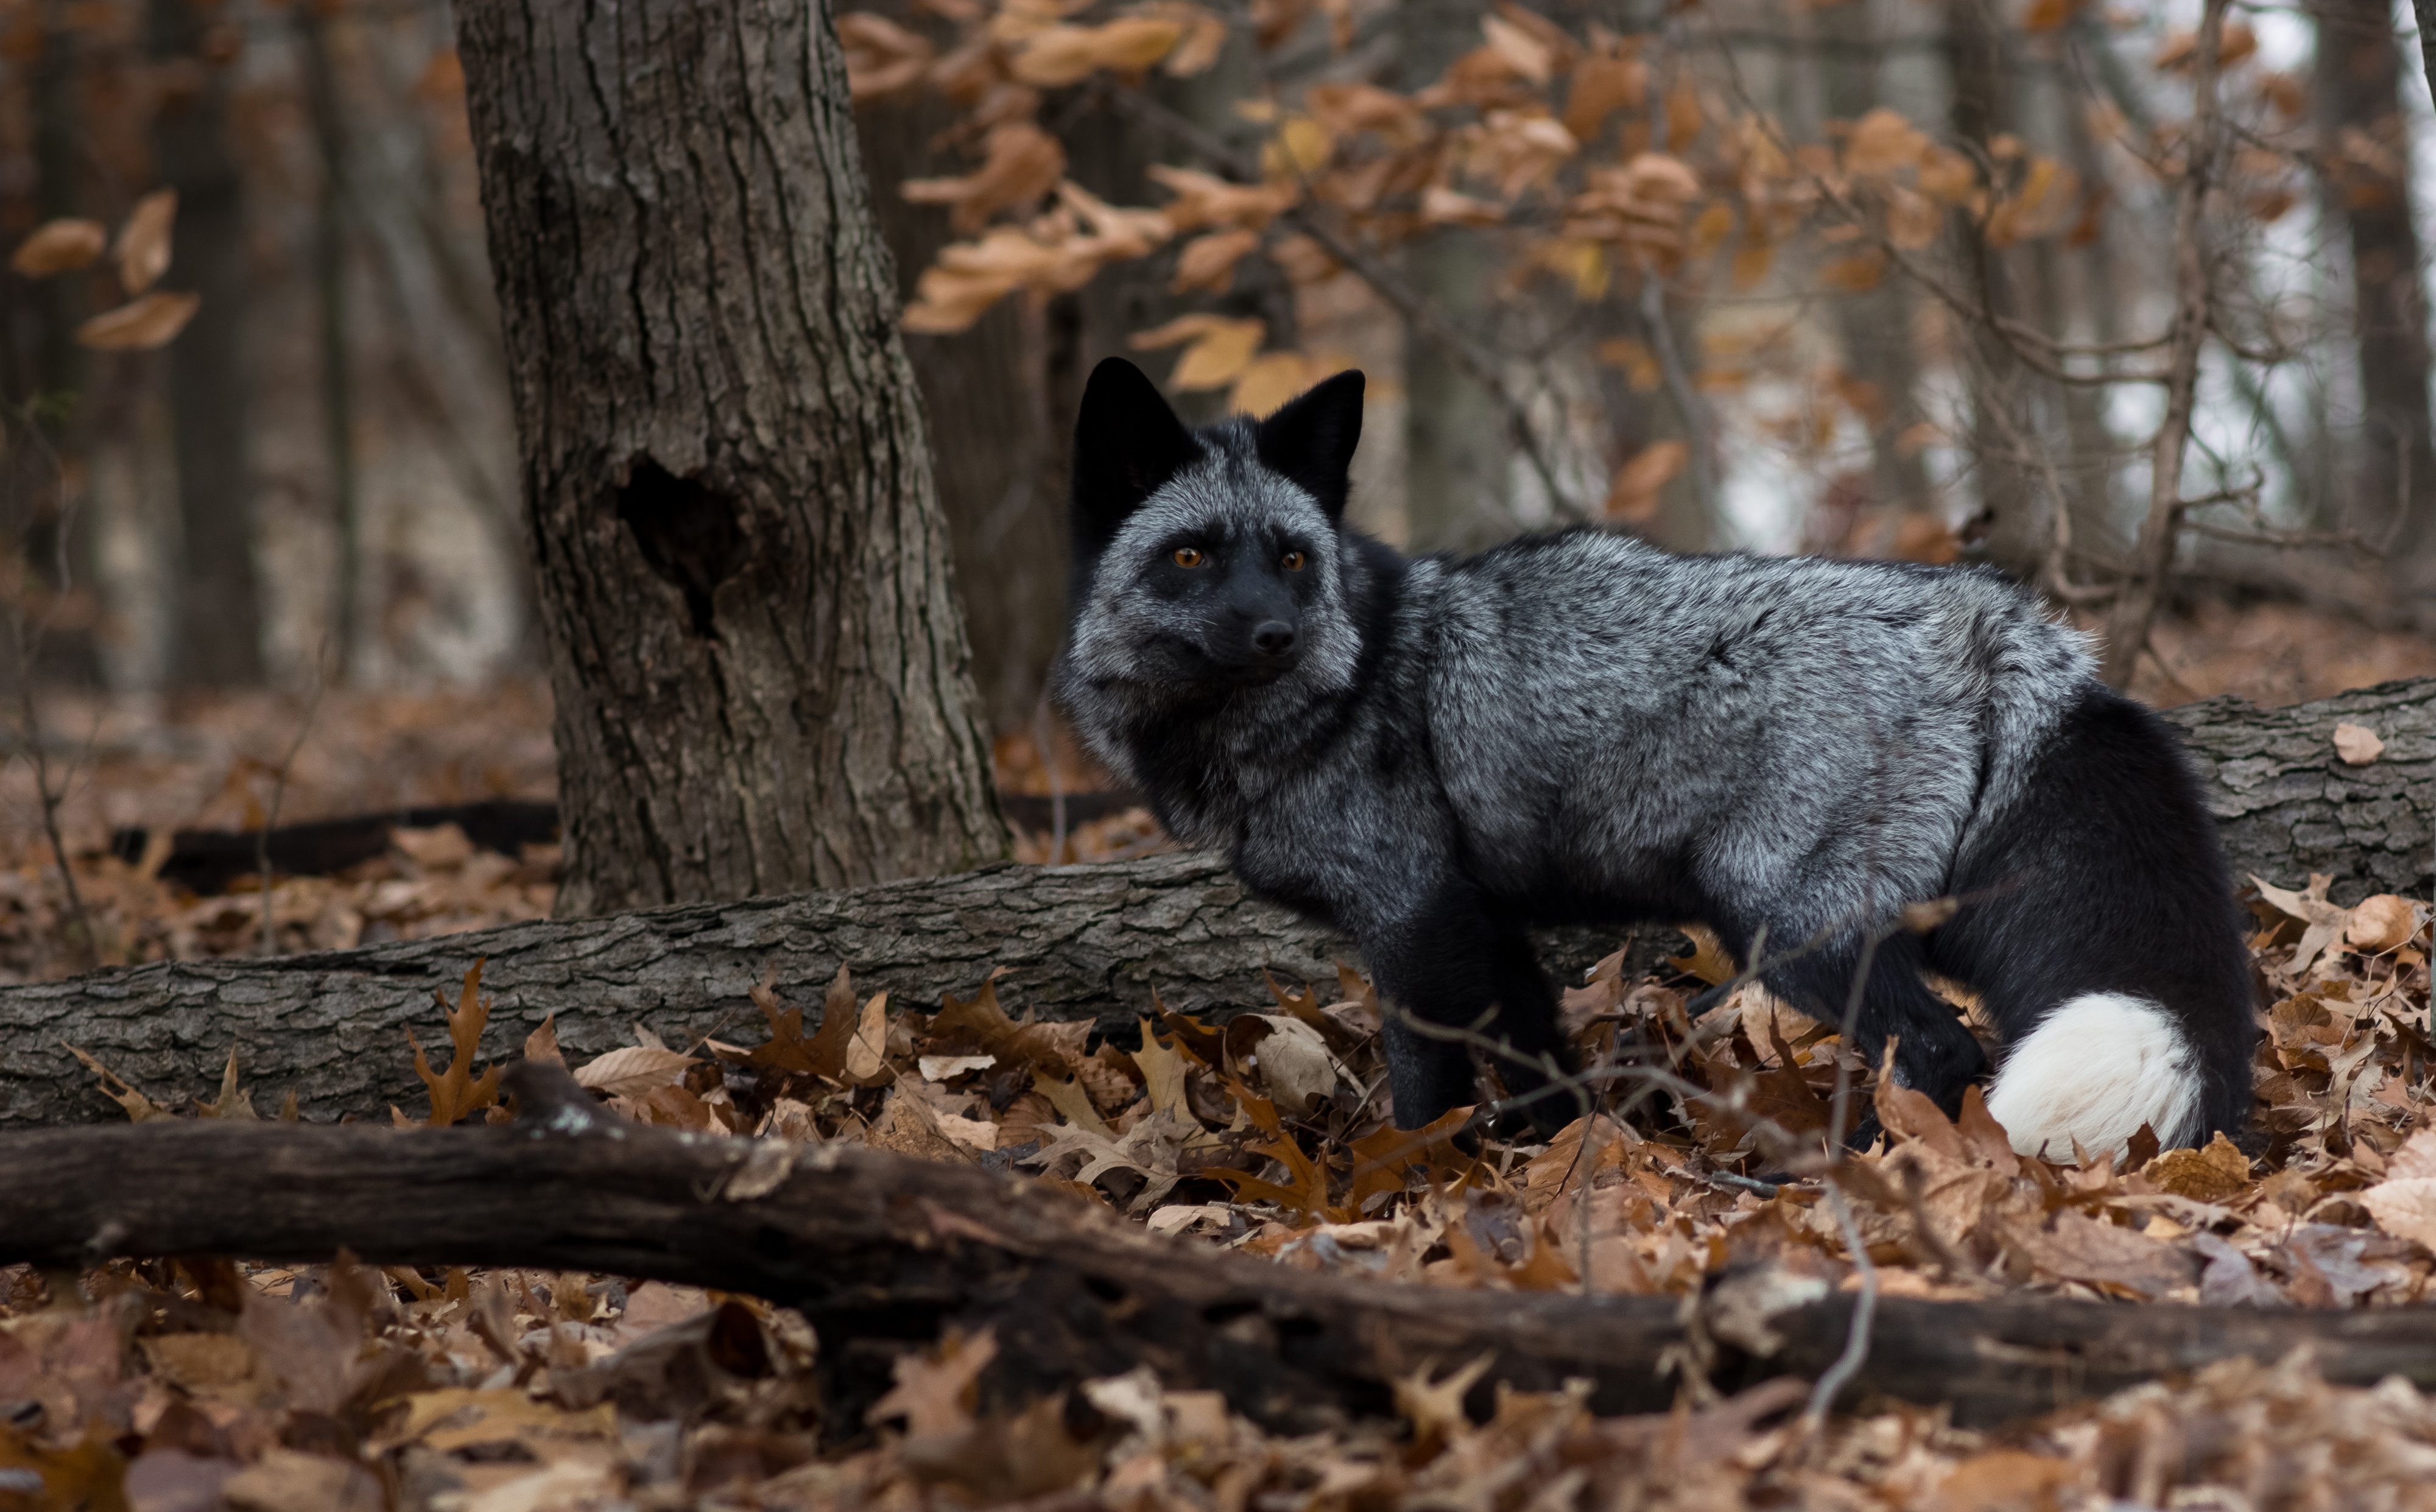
(880, 1252)
(1076, 942)
(2286, 806)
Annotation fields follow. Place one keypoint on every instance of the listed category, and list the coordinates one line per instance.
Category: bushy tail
(2093, 1071)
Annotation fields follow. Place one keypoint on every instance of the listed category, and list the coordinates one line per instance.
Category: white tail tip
(2092, 1072)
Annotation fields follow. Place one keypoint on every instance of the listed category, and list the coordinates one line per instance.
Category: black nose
(1272, 637)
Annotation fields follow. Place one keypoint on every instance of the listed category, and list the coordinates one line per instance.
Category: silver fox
(1434, 755)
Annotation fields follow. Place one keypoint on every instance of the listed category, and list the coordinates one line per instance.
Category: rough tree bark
(219, 613)
(880, 1252)
(760, 676)
(2359, 76)
(2285, 807)
(1077, 942)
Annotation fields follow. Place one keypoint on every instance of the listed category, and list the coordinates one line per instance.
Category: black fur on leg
(1454, 965)
(1934, 1054)
(2106, 876)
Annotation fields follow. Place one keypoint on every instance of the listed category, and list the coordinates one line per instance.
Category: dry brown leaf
(634, 1070)
(1058, 56)
(935, 1392)
(142, 251)
(1071, 1102)
(880, 56)
(2080, 1248)
(1269, 380)
(541, 1044)
(457, 1091)
(2216, 1174)
(233, 1103)
(59, 245)
(2004, 1480)
(947, 1067)
(866, 1053)
(1445, 207)
(139, 1107)
(1882, 143)
(1855, 274)
(1220, 348)
(2326, 921)
(1286, 1056)
(1209, 261)
(2357, 744)
(1205, 37)
(1020, 163)
(788, 1048)
(1162, 1067)
(2405, 1208)
(1603, 85)
(142, 325)
(1641, 483)
(908, 1126)
(2381, 923)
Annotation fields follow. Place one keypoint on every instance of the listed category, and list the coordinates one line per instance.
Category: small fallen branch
(881, 1253)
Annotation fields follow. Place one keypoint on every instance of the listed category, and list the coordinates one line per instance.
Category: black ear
(1127, 442)
(1311, 440)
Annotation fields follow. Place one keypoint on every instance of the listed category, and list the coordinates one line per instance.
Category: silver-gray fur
(1583, 727)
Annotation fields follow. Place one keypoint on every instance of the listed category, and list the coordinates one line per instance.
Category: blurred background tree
(1872, 277)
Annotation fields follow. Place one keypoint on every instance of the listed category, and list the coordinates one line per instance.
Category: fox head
(1211, 561)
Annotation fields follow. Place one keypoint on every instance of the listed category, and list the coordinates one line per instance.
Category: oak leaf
(458, 1091)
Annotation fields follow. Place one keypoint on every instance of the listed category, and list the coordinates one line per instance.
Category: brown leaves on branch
(148, 320)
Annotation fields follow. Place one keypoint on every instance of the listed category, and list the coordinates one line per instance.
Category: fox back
(1437, 754)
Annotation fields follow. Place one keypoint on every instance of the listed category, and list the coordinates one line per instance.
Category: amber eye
(1187, 557)
(1292, 561)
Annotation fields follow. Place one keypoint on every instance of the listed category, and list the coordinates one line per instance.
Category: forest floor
(170, 1385)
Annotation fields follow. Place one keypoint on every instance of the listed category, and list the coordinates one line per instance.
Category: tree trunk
(984, 388)
(2009, 528)
(761, 681)
(881, 1253)
(1076, 942)
(218, 620)
(2359, 76)
(1458, 458)
(331, 215)
(1875, 326)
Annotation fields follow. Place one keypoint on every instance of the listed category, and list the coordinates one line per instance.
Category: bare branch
(2152, 556)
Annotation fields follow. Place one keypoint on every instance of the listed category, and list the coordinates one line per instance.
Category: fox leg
(1935, 1056)
(1449, 967)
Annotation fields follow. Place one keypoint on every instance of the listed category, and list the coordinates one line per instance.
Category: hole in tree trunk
(687, 532)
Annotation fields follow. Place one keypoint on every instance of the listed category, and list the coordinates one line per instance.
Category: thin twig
(1832, 1381)
(279, 795)
(2152, 556)
(1678, 388)
(27, 636)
